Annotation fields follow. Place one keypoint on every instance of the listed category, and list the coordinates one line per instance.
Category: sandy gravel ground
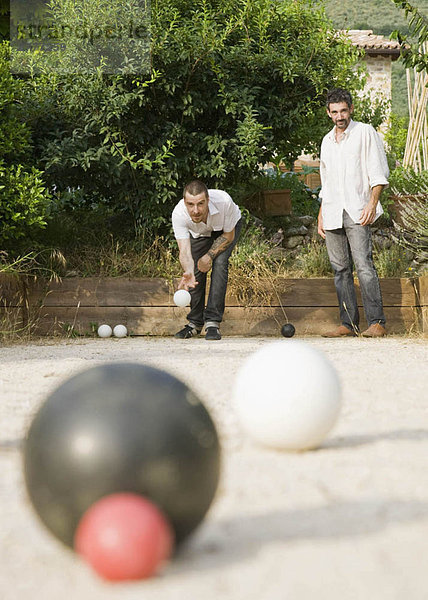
(348, 521)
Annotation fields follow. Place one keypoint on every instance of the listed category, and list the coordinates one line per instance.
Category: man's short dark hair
(338, 95)
(195, 187)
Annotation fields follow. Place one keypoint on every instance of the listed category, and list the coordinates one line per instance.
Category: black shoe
(212, 333)
(187, 332)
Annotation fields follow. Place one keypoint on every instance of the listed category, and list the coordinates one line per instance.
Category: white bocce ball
(104, 331)
(120, 331)
(287, 395)
(182, 298)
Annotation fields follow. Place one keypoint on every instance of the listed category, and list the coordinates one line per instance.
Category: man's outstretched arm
(186, 260)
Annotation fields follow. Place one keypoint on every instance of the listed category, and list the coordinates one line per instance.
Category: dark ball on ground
(121, 427)
(288, 330)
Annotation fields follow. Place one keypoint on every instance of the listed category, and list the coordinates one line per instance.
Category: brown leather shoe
(375, 330)
(341, 331)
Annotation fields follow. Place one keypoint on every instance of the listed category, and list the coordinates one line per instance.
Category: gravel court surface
(347, 521)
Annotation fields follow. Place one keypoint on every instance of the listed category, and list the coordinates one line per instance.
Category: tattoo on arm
(219, 246)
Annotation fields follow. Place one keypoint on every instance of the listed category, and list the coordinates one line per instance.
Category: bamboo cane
(413, 154)
(416, 152)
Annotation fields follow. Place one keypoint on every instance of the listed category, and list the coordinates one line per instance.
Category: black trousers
(213, 312)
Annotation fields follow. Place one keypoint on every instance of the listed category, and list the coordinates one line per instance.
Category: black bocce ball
(121, 427)
(288, 330)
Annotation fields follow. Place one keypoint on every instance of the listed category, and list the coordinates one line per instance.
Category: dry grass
(18, 320)
(17, 325)
(392, 262)
(255, 269)
(258, 274)
(123, 259)
(313, 261)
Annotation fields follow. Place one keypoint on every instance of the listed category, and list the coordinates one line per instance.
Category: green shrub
(391, 262)
(370, 110)
(304, 200)
(395, 139)
(23, 202)
(14, 134)
(404, 181)
(313, 261)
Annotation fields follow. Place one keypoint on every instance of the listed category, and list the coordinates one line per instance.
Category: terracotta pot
(277, 202)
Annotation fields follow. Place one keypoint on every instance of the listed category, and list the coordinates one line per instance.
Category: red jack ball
(124, 537)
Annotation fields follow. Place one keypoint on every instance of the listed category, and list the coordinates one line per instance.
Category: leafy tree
(4, 19)
(23, 198)
(412, 53)
(232, 84)
(14, 135)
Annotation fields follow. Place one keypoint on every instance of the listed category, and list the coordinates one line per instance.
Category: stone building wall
(379, 83)
(379, 76)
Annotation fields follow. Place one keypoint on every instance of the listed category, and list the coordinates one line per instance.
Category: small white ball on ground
(104, 331)
(120, 331)
(182, 298)
(287, 396)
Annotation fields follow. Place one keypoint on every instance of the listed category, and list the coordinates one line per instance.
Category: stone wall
(379, 76)
(378, 84)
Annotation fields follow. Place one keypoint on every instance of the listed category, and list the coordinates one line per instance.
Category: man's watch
(211, 254)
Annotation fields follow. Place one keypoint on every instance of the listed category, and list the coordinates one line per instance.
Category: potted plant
(279, 192)
(275, 191)
(271, 195)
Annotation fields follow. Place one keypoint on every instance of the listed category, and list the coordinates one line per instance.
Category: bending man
(206, 224)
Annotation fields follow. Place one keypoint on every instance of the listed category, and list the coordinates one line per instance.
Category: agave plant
(412, 227)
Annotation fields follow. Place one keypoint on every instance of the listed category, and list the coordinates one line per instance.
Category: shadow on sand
(230, 540)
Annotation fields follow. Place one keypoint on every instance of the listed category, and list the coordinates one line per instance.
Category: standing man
(354, 172)
(206, 224)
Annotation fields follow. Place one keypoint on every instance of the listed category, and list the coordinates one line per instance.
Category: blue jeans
(350, 244)
(213, 313)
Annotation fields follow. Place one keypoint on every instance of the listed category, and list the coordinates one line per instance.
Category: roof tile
(366, 39)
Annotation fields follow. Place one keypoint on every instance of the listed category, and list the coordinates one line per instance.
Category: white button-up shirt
(349, 169)
(223, 215)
